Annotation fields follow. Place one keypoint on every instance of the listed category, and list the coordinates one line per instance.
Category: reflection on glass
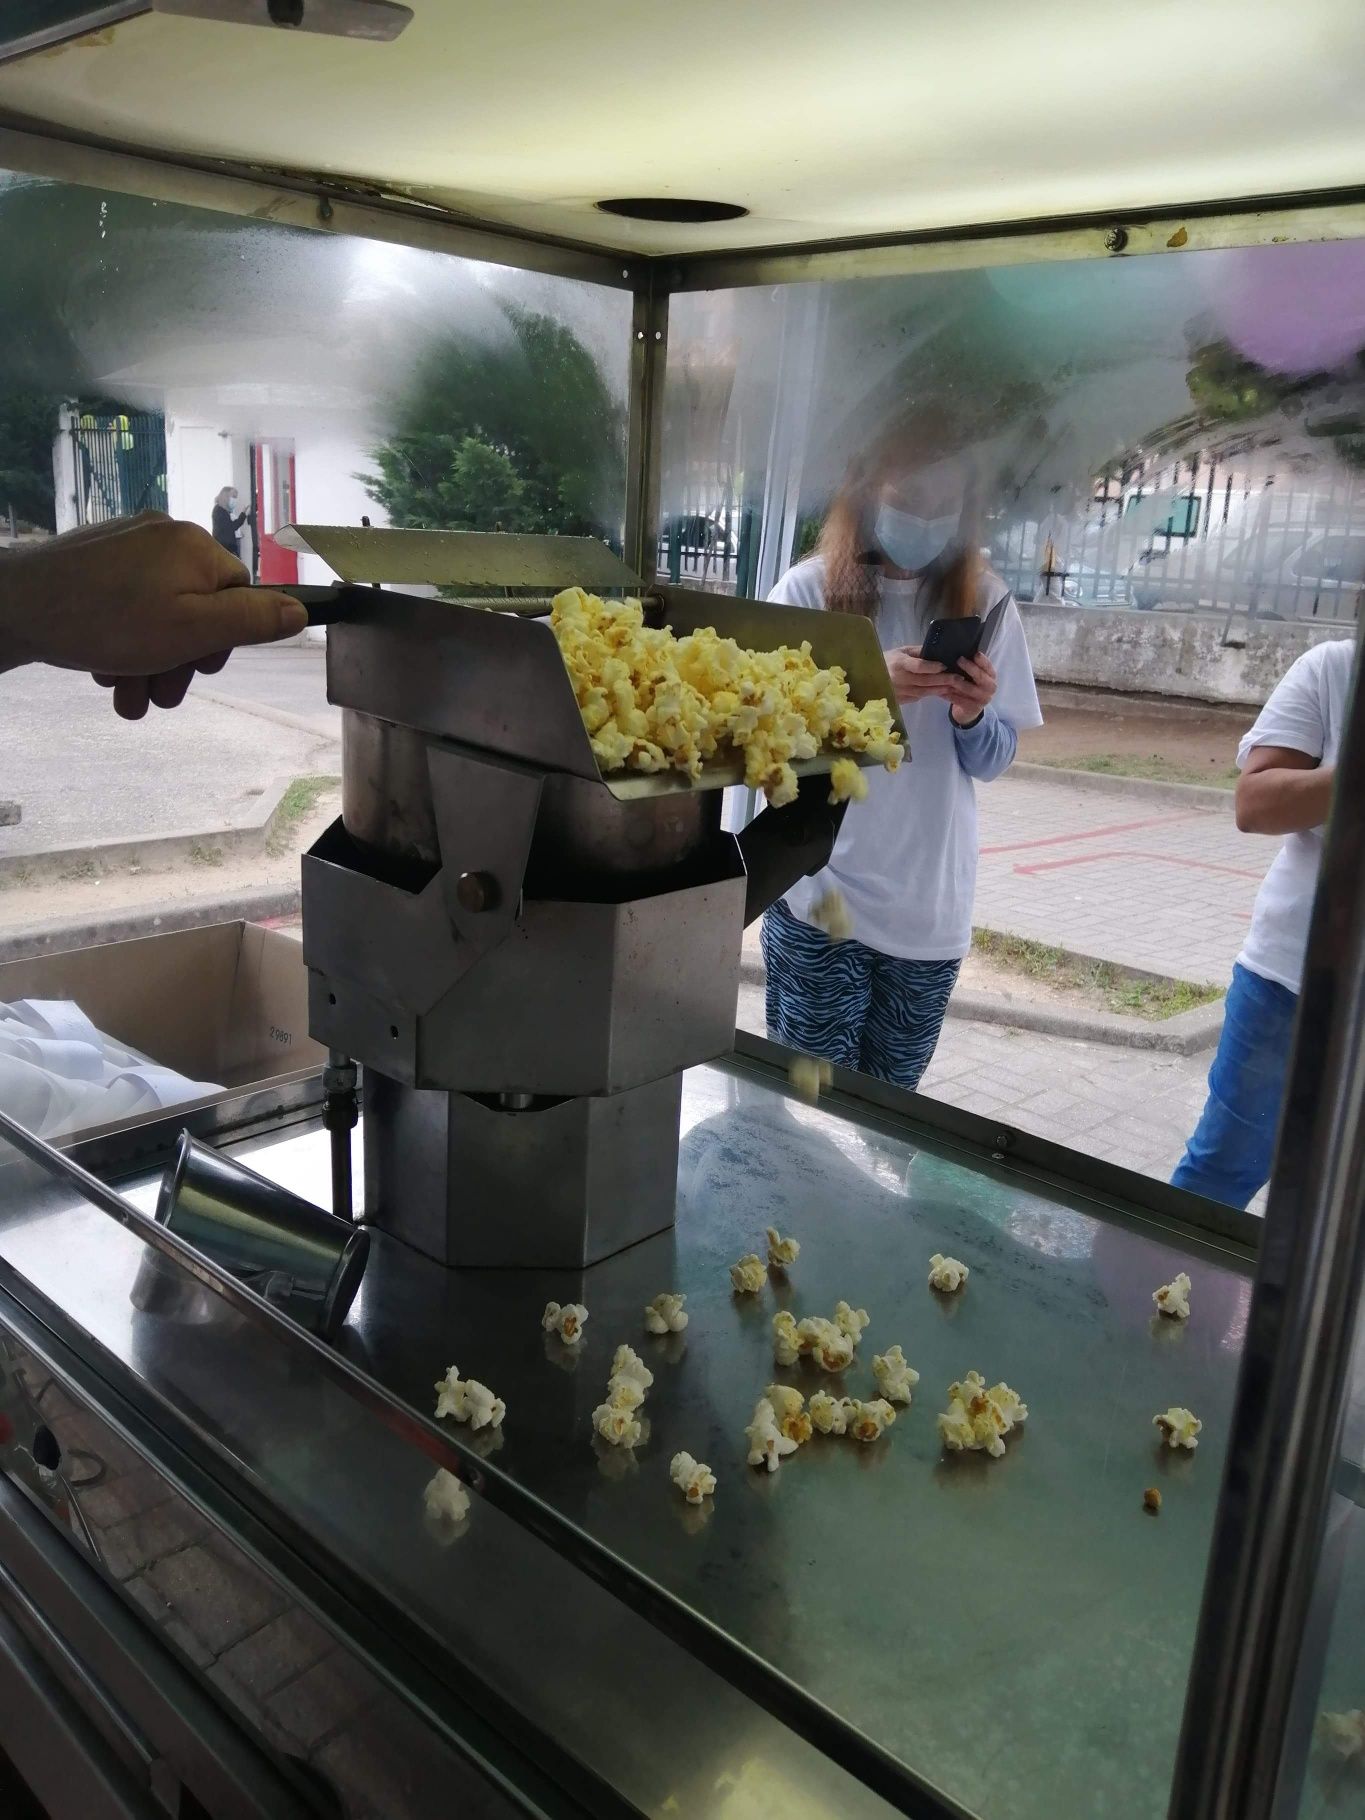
(1163, 460)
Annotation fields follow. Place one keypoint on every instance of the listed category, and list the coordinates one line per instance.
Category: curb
(88, 932)
(1188, 1033)
(312, 725)
(245, 834)
(1105, 783)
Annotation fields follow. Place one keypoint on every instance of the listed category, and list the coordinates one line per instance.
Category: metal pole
(644, 437)
(1287, 1423)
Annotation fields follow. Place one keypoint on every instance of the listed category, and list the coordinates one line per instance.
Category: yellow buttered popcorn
(651, 701)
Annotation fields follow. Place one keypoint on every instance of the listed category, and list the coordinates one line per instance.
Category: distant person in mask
(228, 521)
(900, 545)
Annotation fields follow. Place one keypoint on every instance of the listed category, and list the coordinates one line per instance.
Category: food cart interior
(536, 964)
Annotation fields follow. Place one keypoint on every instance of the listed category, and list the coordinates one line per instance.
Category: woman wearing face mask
(226, 527)
(900, 546)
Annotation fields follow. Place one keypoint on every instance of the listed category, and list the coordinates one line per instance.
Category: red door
(274, 465)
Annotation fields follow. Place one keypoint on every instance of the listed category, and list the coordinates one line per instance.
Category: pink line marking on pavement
(1055, 840)
(1165, 859)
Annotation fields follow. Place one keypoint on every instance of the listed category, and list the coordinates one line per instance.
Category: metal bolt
(1116, 239)
(658, 334)
(476, 891)
(639, 334)
(1002, 1140)
(324, 210)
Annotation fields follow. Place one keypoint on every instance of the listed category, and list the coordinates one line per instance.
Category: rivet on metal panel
(639, 334)
(658, 334)
(324, 210)
(477, 891)
(1002, 1140)
(1116, 239)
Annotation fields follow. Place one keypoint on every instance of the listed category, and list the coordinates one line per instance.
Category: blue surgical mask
(913, 543)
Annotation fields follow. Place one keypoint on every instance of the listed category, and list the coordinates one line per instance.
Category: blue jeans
(1229, 1156)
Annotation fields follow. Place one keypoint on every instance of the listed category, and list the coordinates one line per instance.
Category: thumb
(245, 616)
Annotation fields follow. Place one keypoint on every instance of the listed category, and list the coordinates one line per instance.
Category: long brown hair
(853, 563)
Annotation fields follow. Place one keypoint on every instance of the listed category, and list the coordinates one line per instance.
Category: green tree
(28, 424)
(523, 433)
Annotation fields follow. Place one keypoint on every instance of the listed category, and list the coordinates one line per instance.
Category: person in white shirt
(1288, 763)
(901, 546)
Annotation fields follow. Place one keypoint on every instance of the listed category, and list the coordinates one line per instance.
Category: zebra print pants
(851, 1005)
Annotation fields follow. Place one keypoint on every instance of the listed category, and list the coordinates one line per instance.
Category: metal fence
(119, 462)
(1197, 535)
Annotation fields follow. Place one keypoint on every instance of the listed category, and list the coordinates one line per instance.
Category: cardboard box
(227, 1003)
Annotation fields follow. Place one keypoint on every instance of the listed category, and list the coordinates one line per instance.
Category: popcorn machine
(523, 953)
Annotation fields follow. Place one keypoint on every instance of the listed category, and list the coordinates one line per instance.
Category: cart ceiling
(871, 118)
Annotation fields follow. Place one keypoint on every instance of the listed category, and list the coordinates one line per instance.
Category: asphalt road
(80, 774)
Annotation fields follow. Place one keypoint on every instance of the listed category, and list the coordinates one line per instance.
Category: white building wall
(326, 462)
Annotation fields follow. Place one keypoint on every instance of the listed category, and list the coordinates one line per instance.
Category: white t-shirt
(905, 859)
(1306, 713)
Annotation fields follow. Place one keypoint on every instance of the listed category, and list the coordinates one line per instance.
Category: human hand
(913, 677)
(142, 603)
(972, 691)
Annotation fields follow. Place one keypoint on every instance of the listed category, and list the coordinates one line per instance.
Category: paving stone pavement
(1157, 886)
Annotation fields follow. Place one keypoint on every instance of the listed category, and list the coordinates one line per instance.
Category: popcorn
(831, 1415)
(693, 1479)
(828, 1345)
(1179, 1428)
(809, 1077)
(895, 1379)
(786, 1347)
(748, 1275)
(651, 701)
(781, 1252)
(976, 1419)
(566, 1321)
(846, 782)
(831, 914)
(665, 1314)
(850, 1320)
(468, 1401)
(616, 1424)
(628, 1367)
(446, 1503)
(1151, 1500)
(1342, 1734)
(1173, 1299)
(946, 1274)
(768, 1446)
(789, 1407)
(624, 1393)
(869, 1421)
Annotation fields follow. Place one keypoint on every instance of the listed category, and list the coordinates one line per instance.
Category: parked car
(1285, 575)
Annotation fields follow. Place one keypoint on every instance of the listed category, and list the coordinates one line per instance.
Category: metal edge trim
(295, 199)
(96, 18)
(1337, 214)
(1134, 1198)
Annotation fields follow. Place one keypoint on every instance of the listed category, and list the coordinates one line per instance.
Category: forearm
(1284, 801)
(987, 749)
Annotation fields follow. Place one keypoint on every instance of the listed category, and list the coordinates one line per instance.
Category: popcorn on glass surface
(826, 1343)
(789, 1407)
(786, 1346)
(947, 1275)
(830, 1414)
(748, 1276)
(627, 1364)
(693, 1478)
(768, 1446)
(566, 1320)
(651, 701)
(468, 1401)
(809, 1076)
(445, 1501)
(869, 1421)
(1173, 1299)
(1179, 1428)
(666, 1314)
(617, 1423)
(895, 1379)
(1343, 1734)
(851, 1321)
(976, 1419)
(781, 1252)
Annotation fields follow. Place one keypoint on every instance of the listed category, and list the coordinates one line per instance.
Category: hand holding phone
(948, 641)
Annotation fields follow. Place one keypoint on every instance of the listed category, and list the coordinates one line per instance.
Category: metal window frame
(1287, 1420)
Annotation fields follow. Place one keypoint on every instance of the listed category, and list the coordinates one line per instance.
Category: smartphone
(948, 641)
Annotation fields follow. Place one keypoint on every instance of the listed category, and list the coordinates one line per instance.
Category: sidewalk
(1161, 888)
